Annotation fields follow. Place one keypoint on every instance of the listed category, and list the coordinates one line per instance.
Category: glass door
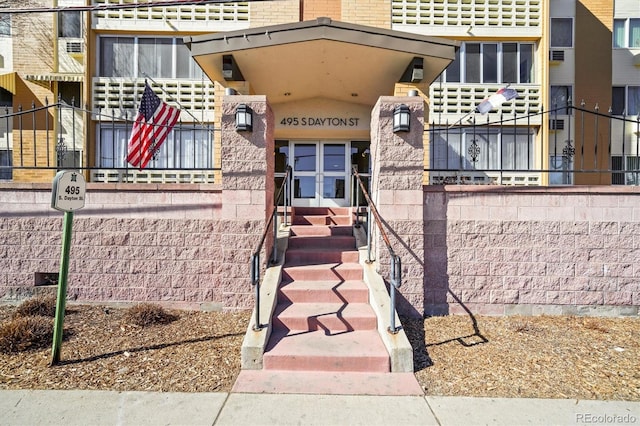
(320, 174)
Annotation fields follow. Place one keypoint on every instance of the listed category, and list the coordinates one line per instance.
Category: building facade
(323, 79)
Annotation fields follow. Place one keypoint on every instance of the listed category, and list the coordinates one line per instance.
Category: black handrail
(395, 273)
(255, 257)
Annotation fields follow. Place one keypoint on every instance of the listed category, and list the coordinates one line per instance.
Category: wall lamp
(244, 118)
(401, 118)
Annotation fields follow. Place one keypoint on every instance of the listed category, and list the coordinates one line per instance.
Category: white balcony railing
(469, 17)
(152, 176)
(195, 17)
(451, 102)
(120, 98)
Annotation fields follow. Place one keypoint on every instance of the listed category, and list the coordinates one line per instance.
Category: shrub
(146, 314)
(37, 306)
(26, 333)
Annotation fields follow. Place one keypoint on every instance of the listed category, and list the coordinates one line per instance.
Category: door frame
(319, 174)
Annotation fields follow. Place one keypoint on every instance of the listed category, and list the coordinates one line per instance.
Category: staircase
(324, 337)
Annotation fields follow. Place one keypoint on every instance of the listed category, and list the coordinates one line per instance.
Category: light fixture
(244, 118)
(230, 69)
(401, 118)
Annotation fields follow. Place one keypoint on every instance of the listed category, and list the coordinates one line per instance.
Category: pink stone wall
(131, 243)
(502, 250)
(397, 166)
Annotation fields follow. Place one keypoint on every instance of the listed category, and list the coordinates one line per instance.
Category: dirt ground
(542, 357)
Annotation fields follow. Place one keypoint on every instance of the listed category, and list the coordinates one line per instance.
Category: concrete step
(330, 317)
(321, 220)
(327, 383)
(318, 351)
(315, 256)
(335, 291)
(325, 272)
(322, 211)
(320, 230)
(320, 241)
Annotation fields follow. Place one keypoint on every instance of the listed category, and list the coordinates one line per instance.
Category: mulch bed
(541, 357)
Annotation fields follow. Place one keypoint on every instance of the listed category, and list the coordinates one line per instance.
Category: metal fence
(52, 137)
(572, 145)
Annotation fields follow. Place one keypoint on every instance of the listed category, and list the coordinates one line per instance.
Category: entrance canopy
(321, 59)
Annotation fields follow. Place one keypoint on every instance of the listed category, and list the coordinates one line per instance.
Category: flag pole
(462, 118)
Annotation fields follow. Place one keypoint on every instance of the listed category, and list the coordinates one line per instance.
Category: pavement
(51, 407)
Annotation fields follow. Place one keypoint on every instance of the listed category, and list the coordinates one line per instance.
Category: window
(69, 159)
(70, 93)
(562, 167)
(70, 24)
(6, 162)
(185, 147)
(626, 33)
(5, 24)
(146, 57)
(453, 70)
(6, 98)
(625, 100)
(561, 32)
(155, 57)
(561, 99)
(116, 54)
(629, 170)
(618, 100)
(483, 148)
(633, 100)
(634, 33)
(492, 63)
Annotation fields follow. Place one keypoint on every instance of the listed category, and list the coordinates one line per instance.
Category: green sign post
(68, 195)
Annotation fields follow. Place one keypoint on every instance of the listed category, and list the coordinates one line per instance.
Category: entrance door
(320, 174)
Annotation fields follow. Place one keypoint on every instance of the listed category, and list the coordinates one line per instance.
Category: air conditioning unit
(556, 55)
(556, 124)
(75, 47)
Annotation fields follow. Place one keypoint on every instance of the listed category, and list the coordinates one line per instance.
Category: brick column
(397, 168)
(247, 194)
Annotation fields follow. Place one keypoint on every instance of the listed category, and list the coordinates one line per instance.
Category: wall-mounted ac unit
(556, 55)
(75, 47)
(556, 124)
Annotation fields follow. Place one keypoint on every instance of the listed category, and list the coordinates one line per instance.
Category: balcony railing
(451, 102)
(476, 17)
(119, 96)
(222, 16)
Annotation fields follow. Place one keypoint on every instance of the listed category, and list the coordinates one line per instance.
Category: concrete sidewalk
(154, 408)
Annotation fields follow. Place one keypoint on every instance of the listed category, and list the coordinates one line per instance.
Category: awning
(55, 77)
(321, 58)
(8, 82)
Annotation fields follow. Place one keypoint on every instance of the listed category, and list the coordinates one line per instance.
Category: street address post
(67, 195)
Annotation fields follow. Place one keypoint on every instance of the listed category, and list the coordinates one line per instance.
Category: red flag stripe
(150, 128)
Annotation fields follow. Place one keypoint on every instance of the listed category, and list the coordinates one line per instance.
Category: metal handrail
(255, 257)
(395, 273)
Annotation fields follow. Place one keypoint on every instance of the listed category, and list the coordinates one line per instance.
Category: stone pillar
(397, 169)
(247, 194)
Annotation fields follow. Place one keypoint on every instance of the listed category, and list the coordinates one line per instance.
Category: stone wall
(505, 250)
(131, 243)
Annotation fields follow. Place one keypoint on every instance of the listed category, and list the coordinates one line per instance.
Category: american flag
(154, 121)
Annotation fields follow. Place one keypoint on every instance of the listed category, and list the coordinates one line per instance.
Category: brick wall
(500, 250)
(312, 9)
(375, 13)
(274, 12)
